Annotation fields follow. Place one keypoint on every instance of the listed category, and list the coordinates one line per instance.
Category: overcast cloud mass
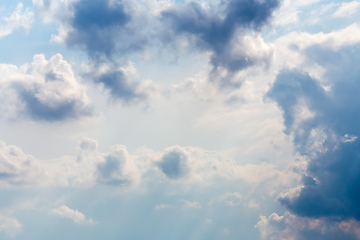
(149, 119)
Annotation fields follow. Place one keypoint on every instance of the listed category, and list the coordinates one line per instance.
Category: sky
(185, 119)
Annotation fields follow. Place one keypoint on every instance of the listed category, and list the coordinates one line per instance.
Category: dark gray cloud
(220, 33)
(329, 137)
(174, 163)
(109, 31)
(103, 27)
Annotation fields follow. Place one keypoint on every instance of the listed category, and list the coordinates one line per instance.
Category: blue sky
(146, 119)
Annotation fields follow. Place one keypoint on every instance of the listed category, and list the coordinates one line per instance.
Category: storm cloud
(322, 116)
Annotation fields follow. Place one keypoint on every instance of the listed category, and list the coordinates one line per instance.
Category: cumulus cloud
(334, 164)
(196, 165)
(43, 90)
(115, 29)
(174, 163)
(320, 111)
(18, 168)
(123, 28)
(19, 19)
(221, 33)
(117, 168)
(123, 82)
(90, 167)
(75, 215)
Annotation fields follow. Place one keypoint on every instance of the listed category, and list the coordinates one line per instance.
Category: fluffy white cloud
(75, 215)
(43, 90)
(18, 19)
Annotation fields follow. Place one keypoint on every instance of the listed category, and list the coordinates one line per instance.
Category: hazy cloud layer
(118, 168)
(9, 225)
(18, 168)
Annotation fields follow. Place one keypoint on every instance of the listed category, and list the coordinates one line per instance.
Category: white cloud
(163, 206)
(75, 215)
(347, 9)
(18, 19)
(43, 90)
(90, 167)
(191, 205)
(9, 224)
